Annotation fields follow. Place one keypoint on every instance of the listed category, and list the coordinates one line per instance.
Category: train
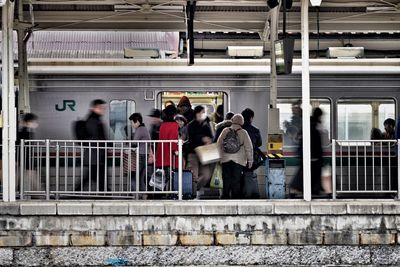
(355, 95)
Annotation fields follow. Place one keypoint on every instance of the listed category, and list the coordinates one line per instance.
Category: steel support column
(305, 75)
(8, 102)
(23, 81)
(273, 82)
(190, 10)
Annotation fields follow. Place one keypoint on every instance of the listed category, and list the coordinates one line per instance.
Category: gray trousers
(201, 173)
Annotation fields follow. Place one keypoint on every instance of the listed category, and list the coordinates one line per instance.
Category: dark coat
(254, 134)
(155, 132)
(95, 131)
(189, 115)
(196, 131)
(220, 127)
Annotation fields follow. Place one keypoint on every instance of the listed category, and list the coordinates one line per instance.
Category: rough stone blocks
(196, 239)
(15, 239)
(160, 239)
(95, 238)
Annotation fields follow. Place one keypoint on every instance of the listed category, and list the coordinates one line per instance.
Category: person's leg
(204, 175)
(194, 168)
(142, 172)
(235, 180)
(226, 178)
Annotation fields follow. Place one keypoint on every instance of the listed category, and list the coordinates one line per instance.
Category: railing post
(333, 169)
(58, 170)
(47, 169)
(180, 166)
(22, 169)
(398, 169)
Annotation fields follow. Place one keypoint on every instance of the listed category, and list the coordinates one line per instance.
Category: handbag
(158, 180)
(208, 153)
(216, 179)
(258, 159)
(250, 185)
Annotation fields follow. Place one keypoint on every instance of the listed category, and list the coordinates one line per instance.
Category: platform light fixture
(316, 2)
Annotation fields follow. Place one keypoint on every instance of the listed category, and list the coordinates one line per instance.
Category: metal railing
(365, 166)
(121, 169)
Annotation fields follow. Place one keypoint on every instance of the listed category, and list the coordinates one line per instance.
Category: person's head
(136, 120)
(184, 104)
(219, 114)
(200, 113)
(248, 115)
(155, 116)
(181, 120)
(229, 115)
(376, 134)
(389, 125)
(238, 119)
(169, 102)
(317, 114)
(169, 113)
(98, 106)
(296, 107)
(29, 120)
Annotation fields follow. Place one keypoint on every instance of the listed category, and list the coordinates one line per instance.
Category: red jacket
(165, 151)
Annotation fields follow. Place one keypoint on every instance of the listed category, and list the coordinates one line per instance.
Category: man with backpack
(236, 154)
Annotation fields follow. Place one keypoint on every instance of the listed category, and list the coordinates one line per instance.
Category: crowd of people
(235, 136)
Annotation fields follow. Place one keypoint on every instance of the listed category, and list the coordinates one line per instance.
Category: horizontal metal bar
(368, 191)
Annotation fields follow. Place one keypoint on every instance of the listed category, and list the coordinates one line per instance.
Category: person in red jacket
(166, 152)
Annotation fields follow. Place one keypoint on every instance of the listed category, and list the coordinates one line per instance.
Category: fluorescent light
(315, 2)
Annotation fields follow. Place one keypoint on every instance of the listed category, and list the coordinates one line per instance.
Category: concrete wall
(200, 233)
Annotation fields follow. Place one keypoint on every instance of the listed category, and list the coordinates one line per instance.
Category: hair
(97, 102)
(135, 117)
(247, 115)
(317, 113)
(390, 122)
(376, 134)
(29, 117)
(229, 115)
(220, 110)
(169, 113)
(198, 109)
(169, 102)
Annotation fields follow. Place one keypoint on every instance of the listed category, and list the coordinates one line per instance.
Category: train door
(210, 100)
(120, 110)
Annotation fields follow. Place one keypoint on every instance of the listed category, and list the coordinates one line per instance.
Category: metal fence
(54, 169)
(365, 166)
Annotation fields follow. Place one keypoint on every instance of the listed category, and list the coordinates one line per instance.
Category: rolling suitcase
(187, 183)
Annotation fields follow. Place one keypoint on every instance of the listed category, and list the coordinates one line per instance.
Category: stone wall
(200, 233)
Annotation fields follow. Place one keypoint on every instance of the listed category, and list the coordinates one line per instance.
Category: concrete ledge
(111, 208)
(139, 209)
(38, 208)
(292, 208)
(10, 208)
(184, 208)
(364, 208)
(75, 208)
(256, 209)
(331, 208)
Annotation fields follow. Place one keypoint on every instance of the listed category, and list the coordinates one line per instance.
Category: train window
(120, 110)
(210, 100)
(291, 122)
(357, 117)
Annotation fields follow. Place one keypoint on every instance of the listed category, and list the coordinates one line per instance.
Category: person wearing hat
(155, 122)
(185, 108)
(234, 162)
(182, 122)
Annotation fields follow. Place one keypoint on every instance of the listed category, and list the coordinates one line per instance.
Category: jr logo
(66, 104)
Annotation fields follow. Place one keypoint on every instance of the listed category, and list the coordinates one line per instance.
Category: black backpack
(231, 143)
(80, 130)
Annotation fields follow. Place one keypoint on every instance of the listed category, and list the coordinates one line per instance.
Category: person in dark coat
(185, 108)
(94, 159)
(29, 124)
(255, 137)
(199, 134)
(155, 123)
(316, 157)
